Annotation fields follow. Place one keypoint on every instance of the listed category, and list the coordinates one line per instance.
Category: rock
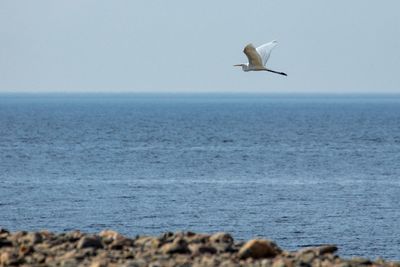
(142, 241)
(136, 263)
(199, 238)
(73, 236)
(111, 234)
(306, 256)
(258, 248)
(219, 238)
(39, 257)
(266, 263)
(341, 264)
(228, 263)
(222, 242)
(178, 246)
(89, 242)
(18, 236)
(5, 243)
(34, 238)
(166, 237)
(4, 231)
(197, 249)
(8, 258)
(69, 263)
(99, 263)
(279, 263)
(207, 261)
(327, 249)
(360, 261)
(24, 250)
(155, 264)
(120, 243)
(46, 235)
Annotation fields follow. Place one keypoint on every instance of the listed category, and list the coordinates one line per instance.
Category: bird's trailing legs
(277, 72)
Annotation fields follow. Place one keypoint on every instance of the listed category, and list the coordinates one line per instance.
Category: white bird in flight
(258, 57)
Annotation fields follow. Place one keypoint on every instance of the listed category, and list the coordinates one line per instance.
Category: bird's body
(258, 57)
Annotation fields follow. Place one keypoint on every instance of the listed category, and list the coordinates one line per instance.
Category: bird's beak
(237, 65)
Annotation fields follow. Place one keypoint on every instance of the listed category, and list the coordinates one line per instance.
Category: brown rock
(18, 236)
(207, 262)
(73, 236)
(39, 257)
(24, 250)
(258, 248)
(306, 255)
(46, 234)
(199, 238)
(99, 263)
(266, 263)
(327, 249)
(166, 237)
(89, 242)
(221, 238)
(120, 243)
(34, 238)
(8, 258)
(4, 231)
(143, 240)
(135, 263)
(178, 246)
(147, 242)
(5, 243)
(198, 249)
(111, 234)
(223, 242)
(228, 263)
(279, 263)
(360, 261)
(69, 263)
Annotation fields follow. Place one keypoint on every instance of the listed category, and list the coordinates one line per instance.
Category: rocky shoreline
(109, 248)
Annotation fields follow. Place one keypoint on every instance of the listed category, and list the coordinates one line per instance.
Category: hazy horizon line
(195, 93)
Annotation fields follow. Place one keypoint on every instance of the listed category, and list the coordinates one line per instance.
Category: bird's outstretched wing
(265, 51)
(254, 58)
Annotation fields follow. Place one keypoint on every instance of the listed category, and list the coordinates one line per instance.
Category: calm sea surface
(302, 170)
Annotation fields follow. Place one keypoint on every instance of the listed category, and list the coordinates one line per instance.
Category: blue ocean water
(298, 169)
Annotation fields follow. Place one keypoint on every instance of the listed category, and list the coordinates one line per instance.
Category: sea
(302, 170)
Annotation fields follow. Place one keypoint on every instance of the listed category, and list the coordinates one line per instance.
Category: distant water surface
(299, 169)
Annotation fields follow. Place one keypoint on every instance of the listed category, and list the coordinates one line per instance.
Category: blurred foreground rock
(109, 248)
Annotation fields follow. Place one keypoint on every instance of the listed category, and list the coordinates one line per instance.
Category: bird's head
(244, 66)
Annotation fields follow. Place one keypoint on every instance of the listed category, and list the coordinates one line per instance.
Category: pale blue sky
(190, 46)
